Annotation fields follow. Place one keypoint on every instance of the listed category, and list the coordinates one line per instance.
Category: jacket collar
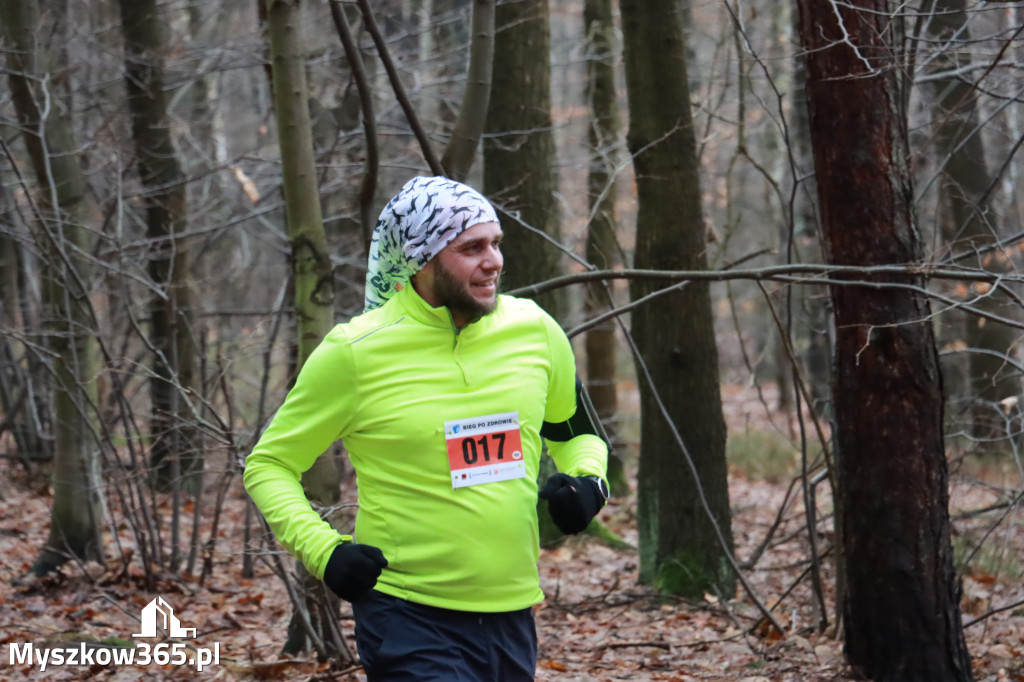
(423, 312)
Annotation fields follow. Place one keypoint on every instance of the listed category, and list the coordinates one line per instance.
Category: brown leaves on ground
(597, 623)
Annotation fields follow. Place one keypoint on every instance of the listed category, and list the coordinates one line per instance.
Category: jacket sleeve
(584, 454)
(315, 413)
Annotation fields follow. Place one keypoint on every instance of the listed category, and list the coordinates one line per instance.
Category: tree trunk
(901, 606)
(469, 126)
(63, 237)
(203, 148)
(968, 223)
(603, 250)
(311, 266)
(175, 457)
(680, 550)
(518, 165)
(519, 152)
(818, 353)
(16, 393)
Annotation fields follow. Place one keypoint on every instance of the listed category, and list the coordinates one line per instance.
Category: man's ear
(423, 282)
(424, 277)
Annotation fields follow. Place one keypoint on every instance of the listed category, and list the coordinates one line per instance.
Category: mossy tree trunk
(62, 237)
(681, 543)
(311, 266)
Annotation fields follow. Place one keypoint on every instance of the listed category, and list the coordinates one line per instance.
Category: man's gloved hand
(353, 569)
(573, 501)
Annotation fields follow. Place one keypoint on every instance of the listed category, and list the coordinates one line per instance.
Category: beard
(455, 296)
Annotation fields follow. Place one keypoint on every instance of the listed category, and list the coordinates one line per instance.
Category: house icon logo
(158, 614)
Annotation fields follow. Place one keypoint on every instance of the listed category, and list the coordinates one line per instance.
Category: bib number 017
(469, 450)
(485, 449)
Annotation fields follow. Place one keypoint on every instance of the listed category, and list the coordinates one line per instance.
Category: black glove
(353, 569)
(572, 501)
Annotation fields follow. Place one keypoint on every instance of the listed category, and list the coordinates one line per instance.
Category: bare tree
(469, 126)
(17, 391)
(817, 356)
(62, 234)
(603, 249)
(175, 454)
(519, 148)
(969, 221)
(311, 273)
(684, 516)
(901, 603)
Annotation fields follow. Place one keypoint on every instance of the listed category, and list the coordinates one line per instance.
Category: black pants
(399, 640)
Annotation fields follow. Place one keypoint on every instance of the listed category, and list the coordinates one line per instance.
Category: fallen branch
(627, 645)
(993, 612)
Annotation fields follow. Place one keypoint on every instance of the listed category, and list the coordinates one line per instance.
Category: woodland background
(186, 191)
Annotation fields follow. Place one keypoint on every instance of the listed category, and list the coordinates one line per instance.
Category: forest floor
(597, 623)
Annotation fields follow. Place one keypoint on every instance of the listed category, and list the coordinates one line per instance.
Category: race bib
(484, 449)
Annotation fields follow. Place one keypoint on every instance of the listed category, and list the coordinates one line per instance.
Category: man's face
(464, 276)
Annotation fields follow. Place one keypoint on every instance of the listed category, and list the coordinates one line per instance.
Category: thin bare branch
(396, 85)
(368, 185)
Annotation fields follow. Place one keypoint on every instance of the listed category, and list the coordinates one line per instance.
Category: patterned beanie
(422, 219)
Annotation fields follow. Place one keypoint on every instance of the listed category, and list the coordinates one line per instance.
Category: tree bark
(818, 353)
(968, 222)
(519, 150)
(63, 237)
(519, 154)
(680, 550)
(16, 392)
(311, 266)
(175, 456)
(901, 605)
(602, 248)
(469, 126)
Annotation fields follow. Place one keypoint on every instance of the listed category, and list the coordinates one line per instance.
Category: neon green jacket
(386, 383)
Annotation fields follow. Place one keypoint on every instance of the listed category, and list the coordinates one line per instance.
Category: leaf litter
(597, 623)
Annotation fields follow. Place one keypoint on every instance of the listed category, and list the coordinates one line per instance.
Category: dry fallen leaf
(551, 664)
(598, 622)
